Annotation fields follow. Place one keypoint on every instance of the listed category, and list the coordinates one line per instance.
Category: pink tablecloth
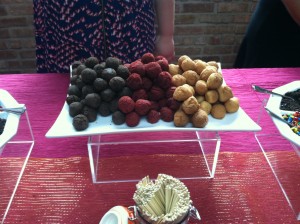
(44, 96)
(57, 186)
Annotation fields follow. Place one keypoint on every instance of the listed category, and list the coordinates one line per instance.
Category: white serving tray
(63, 127)
(12, 120)
(273, 104)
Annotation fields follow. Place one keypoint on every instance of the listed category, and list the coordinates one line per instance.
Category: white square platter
(62, 127)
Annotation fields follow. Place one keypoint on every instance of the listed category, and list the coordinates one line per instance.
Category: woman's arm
(165, 10)
(293, 7)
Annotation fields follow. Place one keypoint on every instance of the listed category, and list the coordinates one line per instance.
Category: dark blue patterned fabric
(71, 30)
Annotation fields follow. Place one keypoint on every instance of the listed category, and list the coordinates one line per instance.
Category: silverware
(262, 90)
(278, 117)
(14, 110)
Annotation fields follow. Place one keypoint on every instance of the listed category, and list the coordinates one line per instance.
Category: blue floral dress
(73, 30)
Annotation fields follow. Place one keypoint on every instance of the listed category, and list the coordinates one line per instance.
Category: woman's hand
(165, 10)
(164, 46)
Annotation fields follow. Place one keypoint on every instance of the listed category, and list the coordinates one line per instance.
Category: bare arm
(165, 10)
(293, 7)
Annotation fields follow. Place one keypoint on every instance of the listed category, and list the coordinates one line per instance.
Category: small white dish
(12, 120)
(116, 215)
(273, 104)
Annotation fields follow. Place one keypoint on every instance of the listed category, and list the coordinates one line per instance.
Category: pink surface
(60, 190)
(57, 187)
(44, 95)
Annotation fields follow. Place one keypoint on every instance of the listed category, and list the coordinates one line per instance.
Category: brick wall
(206, 29)
(17, 43)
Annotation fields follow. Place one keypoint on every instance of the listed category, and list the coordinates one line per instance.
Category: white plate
(273, 104)
(12, 120)
(63, 127)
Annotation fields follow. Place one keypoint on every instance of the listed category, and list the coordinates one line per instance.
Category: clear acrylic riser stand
(13, 160)
(183, 155)
(280, 154)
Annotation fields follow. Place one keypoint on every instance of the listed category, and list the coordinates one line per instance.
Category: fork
(262, 90)
(14, 110)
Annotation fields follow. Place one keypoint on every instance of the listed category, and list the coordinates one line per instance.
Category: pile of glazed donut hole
(201, 91)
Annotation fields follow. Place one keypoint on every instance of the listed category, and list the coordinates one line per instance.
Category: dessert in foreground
(165, 200)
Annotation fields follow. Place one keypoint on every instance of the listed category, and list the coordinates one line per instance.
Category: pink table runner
(60, 190)
(57, 187)
(44, 96)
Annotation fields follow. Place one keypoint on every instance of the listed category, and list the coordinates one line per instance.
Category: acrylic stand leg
(123, 158)
(13, 161)
(283, 158)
